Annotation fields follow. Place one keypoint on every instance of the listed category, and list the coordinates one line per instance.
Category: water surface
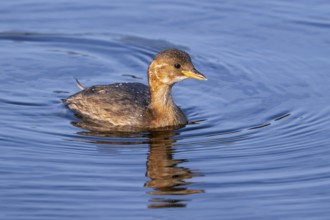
(257, 143)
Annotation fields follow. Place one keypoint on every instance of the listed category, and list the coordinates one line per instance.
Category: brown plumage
(135, 106)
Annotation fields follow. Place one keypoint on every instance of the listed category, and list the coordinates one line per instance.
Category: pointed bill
(194, 74)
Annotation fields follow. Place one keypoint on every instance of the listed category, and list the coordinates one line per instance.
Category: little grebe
(127, 106)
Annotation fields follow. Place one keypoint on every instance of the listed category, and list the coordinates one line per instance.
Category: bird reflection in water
(167, 177)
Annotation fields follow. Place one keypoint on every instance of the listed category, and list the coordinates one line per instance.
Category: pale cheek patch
(167, 80)
(179, 78)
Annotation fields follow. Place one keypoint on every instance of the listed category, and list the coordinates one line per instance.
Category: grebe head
(171, 66)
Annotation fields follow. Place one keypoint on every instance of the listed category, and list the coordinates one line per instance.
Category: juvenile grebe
(135, 106)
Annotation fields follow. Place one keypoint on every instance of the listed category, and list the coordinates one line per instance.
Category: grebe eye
(177, 65)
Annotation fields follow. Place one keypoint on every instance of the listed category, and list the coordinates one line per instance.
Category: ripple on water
(249, 137)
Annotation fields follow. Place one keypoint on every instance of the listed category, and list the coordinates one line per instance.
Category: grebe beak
(194, 74)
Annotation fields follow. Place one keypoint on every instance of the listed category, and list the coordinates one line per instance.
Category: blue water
(256, 147)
